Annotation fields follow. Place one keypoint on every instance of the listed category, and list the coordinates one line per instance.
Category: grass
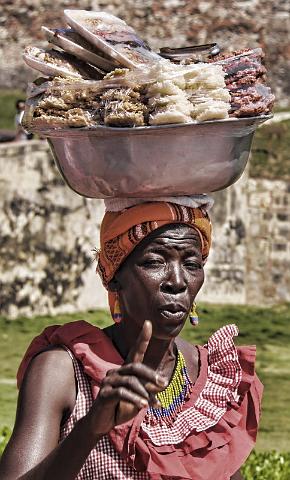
(268, 328)
(7, 107)
(267, 466)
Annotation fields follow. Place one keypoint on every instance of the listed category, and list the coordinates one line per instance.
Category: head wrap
(122, 231)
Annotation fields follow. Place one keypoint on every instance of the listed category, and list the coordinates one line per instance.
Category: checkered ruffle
(223, 379)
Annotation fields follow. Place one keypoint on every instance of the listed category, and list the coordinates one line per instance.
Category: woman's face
(160, 279)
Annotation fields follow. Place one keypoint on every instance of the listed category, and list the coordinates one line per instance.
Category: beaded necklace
(173, 397)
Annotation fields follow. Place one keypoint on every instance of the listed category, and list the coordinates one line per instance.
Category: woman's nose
(174, 281)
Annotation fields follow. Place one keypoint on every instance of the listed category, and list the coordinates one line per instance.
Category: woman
(20, 133)
(134, 401)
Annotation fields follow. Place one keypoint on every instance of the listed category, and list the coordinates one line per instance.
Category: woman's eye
(192, 265)
(151, 262)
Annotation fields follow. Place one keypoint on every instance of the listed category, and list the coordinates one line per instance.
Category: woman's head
(179, 236)
(20, 105)
(160, 278)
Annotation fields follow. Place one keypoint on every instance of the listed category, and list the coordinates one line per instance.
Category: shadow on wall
(47, 237)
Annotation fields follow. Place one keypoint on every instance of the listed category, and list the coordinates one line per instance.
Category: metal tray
(164, 160)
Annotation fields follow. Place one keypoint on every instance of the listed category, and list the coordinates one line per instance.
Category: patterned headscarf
(122, 231)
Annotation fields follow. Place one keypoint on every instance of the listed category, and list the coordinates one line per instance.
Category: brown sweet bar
(245, 80)
(254, 100)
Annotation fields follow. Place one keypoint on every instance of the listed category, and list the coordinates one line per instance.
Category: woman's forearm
(67, 459)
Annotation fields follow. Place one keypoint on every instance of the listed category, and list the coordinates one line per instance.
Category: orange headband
(122, 231)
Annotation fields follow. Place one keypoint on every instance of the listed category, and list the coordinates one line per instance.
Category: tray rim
(60, 132)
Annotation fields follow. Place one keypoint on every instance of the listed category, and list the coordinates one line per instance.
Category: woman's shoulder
(48, 383)
(52, 358)
(52, 366)
(88, 344)
(51, 339)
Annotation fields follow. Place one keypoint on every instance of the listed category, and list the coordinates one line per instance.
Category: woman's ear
(114, 285)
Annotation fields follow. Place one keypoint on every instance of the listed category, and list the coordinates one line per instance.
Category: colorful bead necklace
(173, 397)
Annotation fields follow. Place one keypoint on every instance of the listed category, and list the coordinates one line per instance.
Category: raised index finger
(137, 353)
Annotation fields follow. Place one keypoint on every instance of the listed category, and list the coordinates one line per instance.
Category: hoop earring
(117, 315)
(193, 316)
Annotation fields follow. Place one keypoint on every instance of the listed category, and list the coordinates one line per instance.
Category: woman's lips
(177, 316)
(173, 312)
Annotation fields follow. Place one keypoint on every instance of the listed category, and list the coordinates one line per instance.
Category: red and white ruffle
(223, 378)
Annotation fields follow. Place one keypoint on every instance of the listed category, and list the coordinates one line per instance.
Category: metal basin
(154, 161)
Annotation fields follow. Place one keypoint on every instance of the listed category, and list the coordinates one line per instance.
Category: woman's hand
(126, 390)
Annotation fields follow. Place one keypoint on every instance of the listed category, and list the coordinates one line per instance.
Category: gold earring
(117, 316)
(193, 316)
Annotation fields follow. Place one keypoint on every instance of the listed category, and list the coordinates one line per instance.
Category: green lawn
(268, 328)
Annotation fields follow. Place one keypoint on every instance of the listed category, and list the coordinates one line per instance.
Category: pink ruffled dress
(211, 437)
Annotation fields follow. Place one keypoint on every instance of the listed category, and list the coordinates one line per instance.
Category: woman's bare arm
(47, 393)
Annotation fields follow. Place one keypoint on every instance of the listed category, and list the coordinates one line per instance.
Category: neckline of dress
(202, 361)
(200, 382)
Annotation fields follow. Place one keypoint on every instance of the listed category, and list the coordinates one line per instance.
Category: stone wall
(47, 236)
(268, 246)
(250, 259)
(233, 24)
(226, 273)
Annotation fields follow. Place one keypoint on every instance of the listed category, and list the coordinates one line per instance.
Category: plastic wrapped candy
(245, 79)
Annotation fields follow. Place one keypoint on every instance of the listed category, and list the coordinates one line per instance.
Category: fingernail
(144, 403)
(162, 381)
